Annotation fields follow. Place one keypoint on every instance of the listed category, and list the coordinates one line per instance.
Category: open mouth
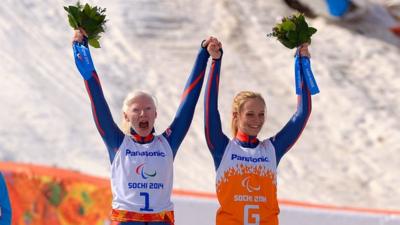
(144, 125)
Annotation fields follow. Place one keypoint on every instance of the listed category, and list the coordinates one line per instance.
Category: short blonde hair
(240, 99)
(125, 125)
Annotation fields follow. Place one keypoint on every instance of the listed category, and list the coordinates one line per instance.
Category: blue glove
(303, 71)
(297, 73)
(83, 60)
(309, 76)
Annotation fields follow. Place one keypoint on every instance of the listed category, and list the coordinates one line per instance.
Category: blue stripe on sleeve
(289, 134)
(216, 139)
(109, 131)
(183, 118)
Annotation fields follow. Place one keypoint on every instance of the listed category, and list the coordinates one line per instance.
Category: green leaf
(87, 9)
(292, 36)
(301, 17)
(94, 43)
(303, 36)
(91, 19)
(94, 12)
(74, 11)
(302, 25)
(311, 31)
(288, 44)
(102, 18)
(89, 24)
(72, 22)
(288, 26)
(293, 31)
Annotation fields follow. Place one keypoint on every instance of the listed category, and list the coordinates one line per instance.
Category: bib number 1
(146, 202)
(254, 217)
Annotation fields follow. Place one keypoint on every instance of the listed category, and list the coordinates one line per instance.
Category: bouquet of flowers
(91, 19)
(293, 31)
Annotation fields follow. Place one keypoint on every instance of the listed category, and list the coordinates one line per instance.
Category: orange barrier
(290, 203)
(339, 208)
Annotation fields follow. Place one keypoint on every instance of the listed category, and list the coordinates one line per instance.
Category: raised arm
(109, 131)
(216, 139)
(289, 134)
(183, 118)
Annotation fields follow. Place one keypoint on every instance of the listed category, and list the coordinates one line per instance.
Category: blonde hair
(125, 125)
(240, 99)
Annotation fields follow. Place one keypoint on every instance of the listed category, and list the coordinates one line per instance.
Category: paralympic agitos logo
(141, 172)
(246, 184)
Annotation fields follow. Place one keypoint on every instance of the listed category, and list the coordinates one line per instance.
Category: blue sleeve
(5, 206)
(216, 139)
(289, 134)
(338, 7)
(109, 131)
(183, 118)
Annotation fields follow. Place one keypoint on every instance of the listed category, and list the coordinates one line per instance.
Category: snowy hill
(347, 155)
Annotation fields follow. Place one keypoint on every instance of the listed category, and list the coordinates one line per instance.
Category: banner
(50, 196)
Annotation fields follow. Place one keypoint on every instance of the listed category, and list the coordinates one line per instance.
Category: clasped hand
(214, 47)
